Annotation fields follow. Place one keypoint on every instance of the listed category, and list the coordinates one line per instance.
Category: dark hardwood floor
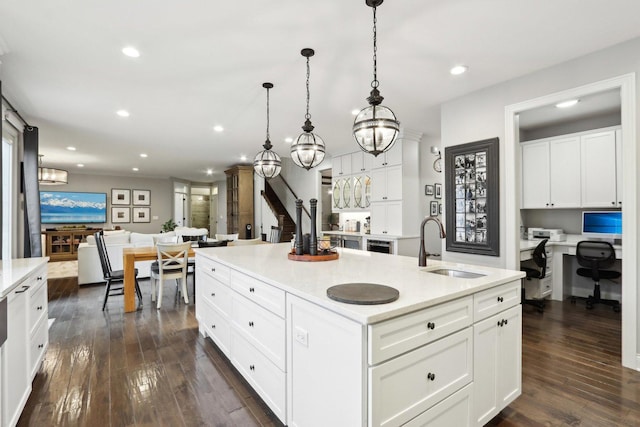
(152, 368)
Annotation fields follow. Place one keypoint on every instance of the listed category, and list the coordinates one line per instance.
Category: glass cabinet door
(357, 192)
(346, 193)
(337, 194)
(367, 191)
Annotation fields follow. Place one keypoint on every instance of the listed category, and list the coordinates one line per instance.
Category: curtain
(32, 241)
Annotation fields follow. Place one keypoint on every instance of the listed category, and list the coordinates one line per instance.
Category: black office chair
(539, 257)
(596, 256)
(112, 277)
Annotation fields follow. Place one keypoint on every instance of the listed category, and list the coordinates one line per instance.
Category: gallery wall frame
(428, 190)
(120, 196)
(120, 215)
(433, 209)
(472, 197)
(141, 214)
(141, 197)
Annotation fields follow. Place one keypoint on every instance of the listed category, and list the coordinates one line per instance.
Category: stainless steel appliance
(382, 246)
(352, 242)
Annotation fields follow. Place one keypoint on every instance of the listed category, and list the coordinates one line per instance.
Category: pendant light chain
(375, 83)
(308, 116)
(268, 114)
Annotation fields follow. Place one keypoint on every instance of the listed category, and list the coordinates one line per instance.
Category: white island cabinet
(24, 284)
(447, 352)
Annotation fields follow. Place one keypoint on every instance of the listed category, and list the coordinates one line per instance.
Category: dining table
(130, 256)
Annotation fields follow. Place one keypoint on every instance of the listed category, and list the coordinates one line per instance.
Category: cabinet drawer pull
(431, 325)
(500, 299)
(40, 345)
(39, 278)
(213, 326)
(251, 324)
(503, 322)
(24, 289)
(252, 289)
(431, 376)
(252, 367)
(213, 269)
(39, 307)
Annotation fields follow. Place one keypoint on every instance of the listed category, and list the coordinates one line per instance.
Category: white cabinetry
(581, 170)
(16, 380)
(361, 162)
(598, 158)
(551, 174)
(388, 218)
(38, 321)
(497, 350)
(341, 165)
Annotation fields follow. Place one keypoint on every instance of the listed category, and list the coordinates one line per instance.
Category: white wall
(161, 196)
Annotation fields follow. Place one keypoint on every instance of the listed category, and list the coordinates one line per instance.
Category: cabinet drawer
(494, 300)
(455, 411)
(213, 268)
(38, 309)
(259, 292)
(216, 326)
(394, 337)
(265, 378)
(263, 329)
(216, 293)
(414, 382)
(39, 344)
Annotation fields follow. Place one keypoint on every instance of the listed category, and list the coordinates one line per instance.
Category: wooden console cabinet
(63, 245)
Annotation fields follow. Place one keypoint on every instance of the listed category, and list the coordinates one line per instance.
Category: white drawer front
(266, 379)
(263, 329)
(215, 293)
(400, 335)
(494, 300)
(455, 411)
(216, 326)
(38, 309)
(261, 293)
(412, 383)
(39, 344)
(213, 268)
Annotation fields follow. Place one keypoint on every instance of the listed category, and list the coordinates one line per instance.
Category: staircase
(284, 219)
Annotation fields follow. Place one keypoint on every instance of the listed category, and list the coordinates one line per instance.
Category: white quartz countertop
(15, 271)
(368, 236)
(310, 280)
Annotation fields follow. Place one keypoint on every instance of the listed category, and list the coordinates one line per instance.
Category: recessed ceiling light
(288, 140)
(143, 155)
(135, 169)
(354, 112)
(243, 158)
(458, 69)
(131, 51)
(122, 113)
(209, 171)
(218, 128)
(567, 104)
(80, 165)
(70, 148)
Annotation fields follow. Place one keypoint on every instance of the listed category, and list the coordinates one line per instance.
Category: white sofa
(89, 268)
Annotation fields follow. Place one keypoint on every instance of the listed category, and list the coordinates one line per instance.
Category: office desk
(560, 274)
(130, 256)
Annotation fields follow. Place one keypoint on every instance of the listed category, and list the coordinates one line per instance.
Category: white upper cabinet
(342, 165)
(389, 158)
(598, 157)
(361, 162)
(581, 170)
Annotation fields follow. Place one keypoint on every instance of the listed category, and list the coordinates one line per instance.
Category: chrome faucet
(422, 255)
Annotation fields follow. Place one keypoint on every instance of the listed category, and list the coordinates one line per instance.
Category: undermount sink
(456, 273)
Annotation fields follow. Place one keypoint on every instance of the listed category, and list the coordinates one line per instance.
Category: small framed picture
(433, 211)
(120, 196)
(428, 190)
(141, 214)
(120, 215)
(438, 191)
(141, 197)
(439, 208)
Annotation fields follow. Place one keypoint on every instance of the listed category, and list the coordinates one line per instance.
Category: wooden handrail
(294, 194)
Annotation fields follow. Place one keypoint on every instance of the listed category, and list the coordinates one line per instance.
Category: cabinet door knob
(213, 269)
(213, 294)
(547, 204)
(39, 278)
(213, 326)
(431, 376)
(500, 299)
(252, 367)
(613, 203)
(431, 325)
(252, 290)
(40, 345)
(251, 324)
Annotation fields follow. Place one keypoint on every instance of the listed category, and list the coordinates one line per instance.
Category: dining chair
(112, 277)
(172, 263)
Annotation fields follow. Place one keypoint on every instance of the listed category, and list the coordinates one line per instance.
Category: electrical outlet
(301, 336)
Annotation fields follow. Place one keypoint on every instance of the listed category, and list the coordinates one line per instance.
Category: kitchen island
(446, 352)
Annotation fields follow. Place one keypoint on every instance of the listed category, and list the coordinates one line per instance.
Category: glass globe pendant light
(267, 163)
(375, 127)
(307, 151)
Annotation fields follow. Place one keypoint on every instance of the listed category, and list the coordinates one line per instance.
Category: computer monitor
(602, 224)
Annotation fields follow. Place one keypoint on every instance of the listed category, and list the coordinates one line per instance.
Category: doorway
(200, 207)
(626, 86)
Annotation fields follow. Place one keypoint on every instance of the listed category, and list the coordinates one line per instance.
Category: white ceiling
(203, 63)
